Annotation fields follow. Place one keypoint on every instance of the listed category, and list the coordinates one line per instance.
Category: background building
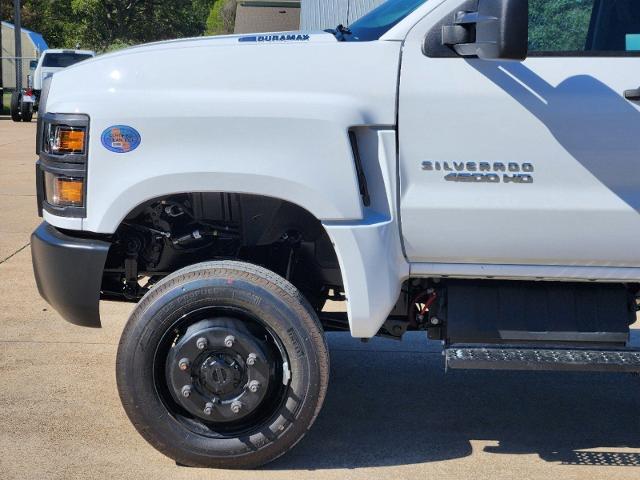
(323, 14)
(32, 46)
(282, 15)
(267, 16)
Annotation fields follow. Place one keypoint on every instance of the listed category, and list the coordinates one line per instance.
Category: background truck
(24, 103)
(451, 166)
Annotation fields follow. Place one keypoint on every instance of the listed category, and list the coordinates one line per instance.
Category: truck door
(527, 163)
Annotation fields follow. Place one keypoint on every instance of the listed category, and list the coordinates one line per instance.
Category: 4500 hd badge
(482, 172)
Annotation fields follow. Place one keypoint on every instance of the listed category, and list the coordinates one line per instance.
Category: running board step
(509, 358)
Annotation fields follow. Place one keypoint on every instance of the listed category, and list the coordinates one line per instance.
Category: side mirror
(498, 30)
(33, 64)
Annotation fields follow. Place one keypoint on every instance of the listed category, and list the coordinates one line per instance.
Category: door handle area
(633, 95)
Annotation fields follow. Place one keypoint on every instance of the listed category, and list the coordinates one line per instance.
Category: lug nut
(186, 391)
(201, 343)
(236, 406)
(208, 409)
(183, 364)
(254, 385)
(228, 342)
(251, 359)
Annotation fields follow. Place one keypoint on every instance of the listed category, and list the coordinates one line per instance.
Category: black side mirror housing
(497, 30)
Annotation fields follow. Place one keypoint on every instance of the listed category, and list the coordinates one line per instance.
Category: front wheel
(223, 364)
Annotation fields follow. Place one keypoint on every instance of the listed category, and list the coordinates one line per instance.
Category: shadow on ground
(392, 404)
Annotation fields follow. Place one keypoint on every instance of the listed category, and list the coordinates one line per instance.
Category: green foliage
(221, 17)
(107, 24)
(4, 108)
(117, 45)
(214, 20)
(54, 19)
(559, 25)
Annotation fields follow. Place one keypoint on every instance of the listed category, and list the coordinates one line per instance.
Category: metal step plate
(509, 358)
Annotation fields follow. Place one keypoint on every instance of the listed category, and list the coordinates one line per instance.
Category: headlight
(65, 140)
(62, 166)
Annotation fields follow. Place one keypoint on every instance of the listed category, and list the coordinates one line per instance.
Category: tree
(222, 17)
(54, 19)
(559, 25)
(101, 24)
(104, 22)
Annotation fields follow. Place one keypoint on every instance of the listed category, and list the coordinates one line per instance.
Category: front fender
(373, 269)
(262, 119)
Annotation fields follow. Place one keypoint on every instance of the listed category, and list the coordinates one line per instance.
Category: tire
(26, 112)
(208, 301)
(15, 107)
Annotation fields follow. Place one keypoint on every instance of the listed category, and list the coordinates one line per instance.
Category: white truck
(428, 166)
(25, 103)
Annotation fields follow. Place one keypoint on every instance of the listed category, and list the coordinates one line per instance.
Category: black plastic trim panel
(362, 178)
(68, 273)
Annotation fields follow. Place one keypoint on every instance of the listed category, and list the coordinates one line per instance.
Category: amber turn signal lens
(65, 140)
(63, 191)
(70, 191)
(71, 141)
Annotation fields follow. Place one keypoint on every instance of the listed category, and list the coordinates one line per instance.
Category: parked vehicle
(24, 103)
(414, 165)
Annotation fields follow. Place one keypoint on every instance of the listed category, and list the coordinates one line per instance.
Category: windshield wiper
(340, 32)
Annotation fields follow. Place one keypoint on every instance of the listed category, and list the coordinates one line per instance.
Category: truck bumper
(68, 273)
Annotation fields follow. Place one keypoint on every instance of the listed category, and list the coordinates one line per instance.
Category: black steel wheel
(223, 364)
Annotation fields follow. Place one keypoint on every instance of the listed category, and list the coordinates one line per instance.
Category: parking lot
(391, 411)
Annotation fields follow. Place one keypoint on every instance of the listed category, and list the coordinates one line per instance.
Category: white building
(323, 14)
(282, 15)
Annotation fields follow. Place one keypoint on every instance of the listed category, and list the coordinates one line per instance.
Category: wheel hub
(219, 371)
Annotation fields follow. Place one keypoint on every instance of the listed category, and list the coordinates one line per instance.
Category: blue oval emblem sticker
(121, 139)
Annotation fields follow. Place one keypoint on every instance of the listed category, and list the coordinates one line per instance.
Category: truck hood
(250, 76)
(272, 38)
(297, 37)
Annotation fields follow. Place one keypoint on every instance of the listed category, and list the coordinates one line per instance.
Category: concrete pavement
(391, 411)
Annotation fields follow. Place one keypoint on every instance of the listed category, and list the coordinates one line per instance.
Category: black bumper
(68, 272)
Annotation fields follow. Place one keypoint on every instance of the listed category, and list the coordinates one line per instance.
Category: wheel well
(171, 232)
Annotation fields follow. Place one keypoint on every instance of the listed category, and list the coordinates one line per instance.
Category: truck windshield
(63, 60)
(379, 21)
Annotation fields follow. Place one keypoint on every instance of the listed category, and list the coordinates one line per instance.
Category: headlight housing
(62, 145)
(64, 139)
